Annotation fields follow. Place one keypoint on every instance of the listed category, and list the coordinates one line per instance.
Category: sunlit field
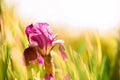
(90, 56)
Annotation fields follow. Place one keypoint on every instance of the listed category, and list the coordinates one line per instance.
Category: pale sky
(100, 15)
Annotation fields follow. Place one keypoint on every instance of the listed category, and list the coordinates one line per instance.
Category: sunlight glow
(98, 15)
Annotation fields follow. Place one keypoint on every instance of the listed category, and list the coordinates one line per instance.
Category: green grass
(90, 56)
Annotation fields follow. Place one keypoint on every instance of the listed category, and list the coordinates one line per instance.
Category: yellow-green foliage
(90, 56)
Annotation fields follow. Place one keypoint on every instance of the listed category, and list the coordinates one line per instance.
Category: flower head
(40, 36)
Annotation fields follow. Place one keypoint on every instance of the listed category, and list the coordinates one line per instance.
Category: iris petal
(30, 54)
(62, 50)
(28, 29)
(41, 60)
(58, 42)
(39, 39)
(51, 77)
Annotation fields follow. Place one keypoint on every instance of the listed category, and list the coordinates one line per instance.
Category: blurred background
(90, 29)
(98, 15)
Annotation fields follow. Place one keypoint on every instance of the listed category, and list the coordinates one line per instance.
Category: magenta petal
(51, 77)
(30, 54)
(44, 28)
(37, 38)
(41, 35)
(62, 50)
(40, 58)
(28, 29)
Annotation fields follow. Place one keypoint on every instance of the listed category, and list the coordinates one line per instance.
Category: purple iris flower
(41, 42)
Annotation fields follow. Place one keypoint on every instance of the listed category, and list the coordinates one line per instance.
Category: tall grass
(90, 56)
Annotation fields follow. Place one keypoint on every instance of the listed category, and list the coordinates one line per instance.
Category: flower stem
(49, 67)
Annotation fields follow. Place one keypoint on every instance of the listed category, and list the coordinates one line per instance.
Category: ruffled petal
(39, 39)
(32, 42)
